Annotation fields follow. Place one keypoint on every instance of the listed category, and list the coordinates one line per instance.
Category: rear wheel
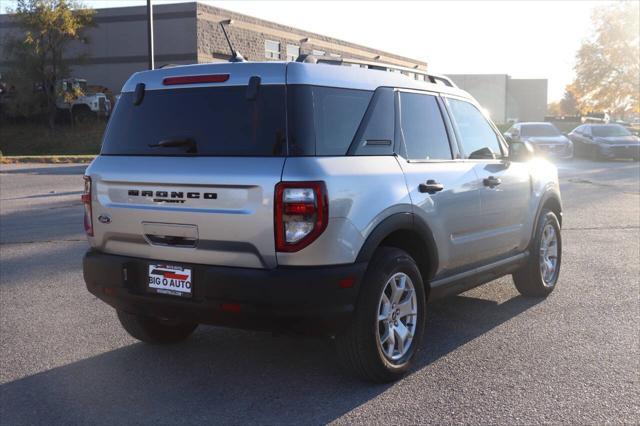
(539, 276)
(389, 321)
(155, 330)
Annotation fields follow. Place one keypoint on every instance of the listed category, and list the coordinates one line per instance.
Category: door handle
(492, 181)
(431, 187)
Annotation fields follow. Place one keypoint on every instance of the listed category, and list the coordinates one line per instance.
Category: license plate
(170, 279)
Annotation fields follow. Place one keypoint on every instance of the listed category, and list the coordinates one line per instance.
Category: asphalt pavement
(490, 356)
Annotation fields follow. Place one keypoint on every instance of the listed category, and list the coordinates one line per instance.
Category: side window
(423, 130)
(476, 135)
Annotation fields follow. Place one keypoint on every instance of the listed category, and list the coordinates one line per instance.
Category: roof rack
(375, 65)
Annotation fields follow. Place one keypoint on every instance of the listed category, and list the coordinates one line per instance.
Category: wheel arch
(407, 232)
(550, 201)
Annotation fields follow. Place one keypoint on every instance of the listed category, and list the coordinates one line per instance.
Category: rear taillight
(86, 201)
(301, 215)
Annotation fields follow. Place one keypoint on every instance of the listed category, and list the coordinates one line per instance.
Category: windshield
(611, 130)
(540, 130)
(219, 121)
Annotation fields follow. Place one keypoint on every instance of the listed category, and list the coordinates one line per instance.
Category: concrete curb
(48, 159)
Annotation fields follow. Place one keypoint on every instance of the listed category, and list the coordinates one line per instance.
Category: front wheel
(155, 330)
(389, 321)
(539, 276)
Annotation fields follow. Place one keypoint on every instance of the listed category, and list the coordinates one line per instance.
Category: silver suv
(310, 197)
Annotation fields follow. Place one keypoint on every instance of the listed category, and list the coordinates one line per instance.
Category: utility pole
(150, 33)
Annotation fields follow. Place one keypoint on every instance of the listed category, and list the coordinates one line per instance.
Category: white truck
(82, 103)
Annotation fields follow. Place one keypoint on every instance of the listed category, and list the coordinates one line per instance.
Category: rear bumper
(284, 297)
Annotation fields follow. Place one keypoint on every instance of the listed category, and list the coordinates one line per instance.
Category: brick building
(188, 33)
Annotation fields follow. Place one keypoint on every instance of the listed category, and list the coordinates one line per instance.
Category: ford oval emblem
(104, 218)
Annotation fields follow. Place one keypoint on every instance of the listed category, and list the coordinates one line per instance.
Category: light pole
(150, 34)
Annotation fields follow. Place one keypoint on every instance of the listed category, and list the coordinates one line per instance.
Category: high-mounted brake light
(196, 79)
(301, 214)
(86, 201)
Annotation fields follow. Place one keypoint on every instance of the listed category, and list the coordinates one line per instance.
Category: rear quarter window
(323, 120)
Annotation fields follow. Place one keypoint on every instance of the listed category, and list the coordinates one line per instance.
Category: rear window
(220, 120)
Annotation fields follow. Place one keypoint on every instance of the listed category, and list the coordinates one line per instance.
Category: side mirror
(520, 152)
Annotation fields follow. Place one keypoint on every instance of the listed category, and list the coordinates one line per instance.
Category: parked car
(545, 138)
(310, 196)
(605, 141)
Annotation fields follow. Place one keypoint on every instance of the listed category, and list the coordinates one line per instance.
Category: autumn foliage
(39, 49)
(608, 63)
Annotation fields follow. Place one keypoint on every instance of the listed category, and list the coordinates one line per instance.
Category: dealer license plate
(170, 279)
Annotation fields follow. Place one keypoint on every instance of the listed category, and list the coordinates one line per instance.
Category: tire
(359, 347)
(154, 330)
(533, 279)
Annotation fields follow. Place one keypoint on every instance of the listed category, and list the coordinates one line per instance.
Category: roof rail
(375, 65)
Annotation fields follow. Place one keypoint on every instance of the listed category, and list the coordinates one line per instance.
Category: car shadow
(76, 169)
(57, 220)
(229, 376)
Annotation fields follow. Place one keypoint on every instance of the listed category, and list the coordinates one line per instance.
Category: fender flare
(549, 194)
(401, 222)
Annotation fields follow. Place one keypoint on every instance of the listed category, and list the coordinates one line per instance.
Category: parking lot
(489, 356)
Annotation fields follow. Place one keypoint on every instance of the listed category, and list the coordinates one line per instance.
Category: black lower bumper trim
(261, 298)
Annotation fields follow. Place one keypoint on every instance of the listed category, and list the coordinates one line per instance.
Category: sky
(525, 39)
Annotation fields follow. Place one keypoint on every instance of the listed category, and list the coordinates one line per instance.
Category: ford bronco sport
(310, 196)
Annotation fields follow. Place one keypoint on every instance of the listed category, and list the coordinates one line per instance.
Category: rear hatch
(187, 171)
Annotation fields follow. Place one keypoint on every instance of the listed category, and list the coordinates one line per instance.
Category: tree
(38, 54)
(569, 103)
(553, 109)
(607, 64)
